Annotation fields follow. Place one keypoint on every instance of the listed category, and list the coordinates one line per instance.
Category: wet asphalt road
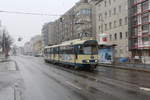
(42, 81)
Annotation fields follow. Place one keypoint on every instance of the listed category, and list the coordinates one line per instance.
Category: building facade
(34, 46)
(112, 19)
(1, 35)
(83, 19)
(27, 48)
(139, 27)
(45, 34)
(70, 25)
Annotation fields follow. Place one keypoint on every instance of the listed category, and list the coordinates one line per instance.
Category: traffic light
(19, 39)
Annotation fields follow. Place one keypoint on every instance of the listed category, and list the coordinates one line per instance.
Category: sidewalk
(7, 94)
(7, 90)
(8, 65)
(134, 67)
(2, 58)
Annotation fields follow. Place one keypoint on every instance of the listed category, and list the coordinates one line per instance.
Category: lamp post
(61, 20)
(4, 43)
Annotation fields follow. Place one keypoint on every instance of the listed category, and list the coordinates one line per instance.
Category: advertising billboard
(105, 55)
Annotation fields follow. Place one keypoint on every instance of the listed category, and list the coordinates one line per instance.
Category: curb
(125, 68)
(16, 65)
(7, 94)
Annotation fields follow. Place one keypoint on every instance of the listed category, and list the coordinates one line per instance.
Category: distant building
(27, 48)
(34, 46)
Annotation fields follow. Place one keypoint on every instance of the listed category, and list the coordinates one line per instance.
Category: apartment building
(139, 27)
(45, 34)
(112, 19)
(70, 25)
(83, 19)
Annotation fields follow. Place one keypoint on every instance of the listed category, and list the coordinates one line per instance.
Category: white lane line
(145, 89)
(73, 85)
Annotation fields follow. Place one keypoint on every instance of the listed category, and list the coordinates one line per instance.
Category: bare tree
(6, 43)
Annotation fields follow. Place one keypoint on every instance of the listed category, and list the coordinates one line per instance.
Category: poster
(105, 55)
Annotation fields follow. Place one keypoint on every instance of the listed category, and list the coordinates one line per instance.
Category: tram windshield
(90, 50)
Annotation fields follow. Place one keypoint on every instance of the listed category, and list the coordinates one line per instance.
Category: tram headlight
(84, 61)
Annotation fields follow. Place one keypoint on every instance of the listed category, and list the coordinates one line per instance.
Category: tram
(79, 53)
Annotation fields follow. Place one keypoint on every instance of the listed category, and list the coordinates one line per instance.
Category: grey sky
(27, 26)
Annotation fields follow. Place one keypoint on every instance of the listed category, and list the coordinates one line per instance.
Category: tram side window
(69, 50)
(45, 51)
(80, 49)
(50, 51)
(66, 50)
(55, 50)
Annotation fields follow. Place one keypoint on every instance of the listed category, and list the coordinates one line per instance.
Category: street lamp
(61, 20)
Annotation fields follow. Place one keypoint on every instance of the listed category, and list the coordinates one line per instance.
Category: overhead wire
(28, 13)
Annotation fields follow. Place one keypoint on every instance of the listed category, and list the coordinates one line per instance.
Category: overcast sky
(26, 26)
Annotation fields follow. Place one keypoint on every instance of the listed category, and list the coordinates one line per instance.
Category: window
(109, 13)
(135, 10)
(145, 5)
(115, 36)
(135, 31)
(121, 51)
(110, 37)
(101, 28)
(100, 17)
(105, 3)
(105, 27)
(115, 24)
(110, 2)
(90, 50)
(120, 9)
(114, 11)
(135, 20)
(126, 34)
(145, 28)
(126, 20)
(120, 22)
(120, 35)
(145, 19)
(145, 39)
(84, 11)
(110, 25)
(105, 14)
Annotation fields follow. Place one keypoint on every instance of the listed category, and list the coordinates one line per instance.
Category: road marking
(73, 85)
(145, 89)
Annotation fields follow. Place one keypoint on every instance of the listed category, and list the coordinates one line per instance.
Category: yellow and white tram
(80, 53)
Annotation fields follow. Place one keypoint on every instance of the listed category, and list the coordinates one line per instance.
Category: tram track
(96, 76)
